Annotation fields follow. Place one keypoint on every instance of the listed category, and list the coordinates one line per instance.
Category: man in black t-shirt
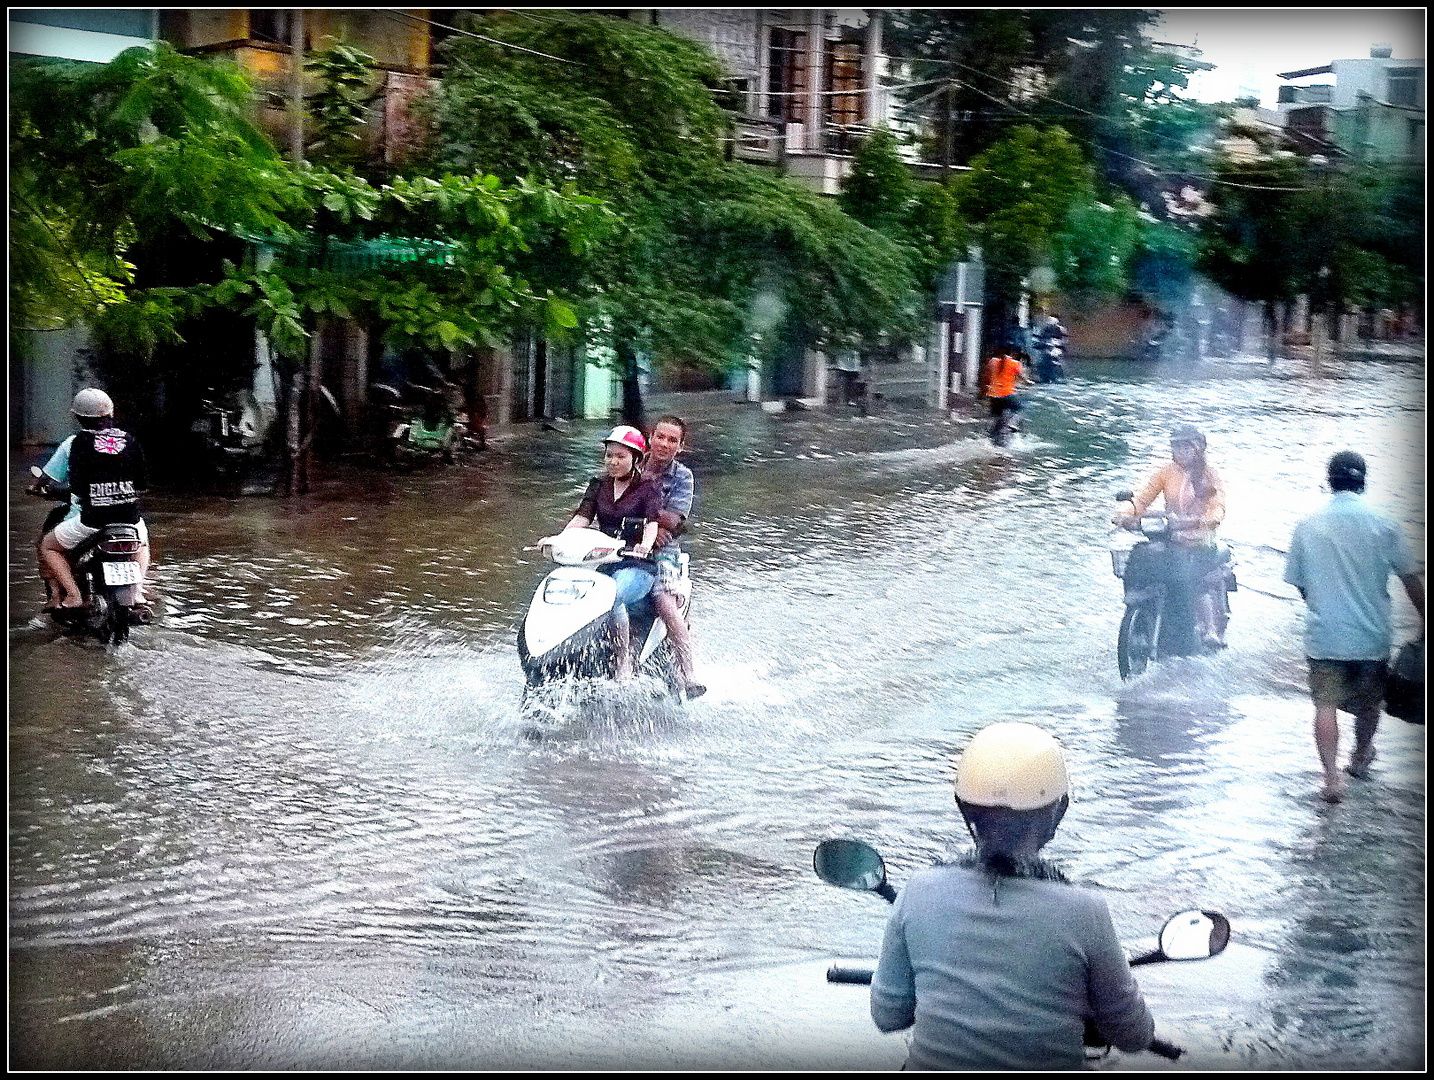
(105, 471)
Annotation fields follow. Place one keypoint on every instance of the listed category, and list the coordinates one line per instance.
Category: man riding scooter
(103, 466)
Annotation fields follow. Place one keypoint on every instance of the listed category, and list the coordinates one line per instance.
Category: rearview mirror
(851, 864)
(1124, 496)
(1194, 935)
(1189, 935)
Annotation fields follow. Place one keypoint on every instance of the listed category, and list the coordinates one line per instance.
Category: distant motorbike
(106, 569)
(1186, 935)
(567, 632)
(1160, 619)
(420, 424)
(1050, 362)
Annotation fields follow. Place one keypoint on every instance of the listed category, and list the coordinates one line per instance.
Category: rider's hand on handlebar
(642, 551)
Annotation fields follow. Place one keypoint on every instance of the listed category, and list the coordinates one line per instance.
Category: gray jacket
(1003, 982)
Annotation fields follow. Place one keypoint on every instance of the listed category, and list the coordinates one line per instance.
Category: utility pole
(296, 87)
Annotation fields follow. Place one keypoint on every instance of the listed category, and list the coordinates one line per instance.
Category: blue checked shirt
(677, 492)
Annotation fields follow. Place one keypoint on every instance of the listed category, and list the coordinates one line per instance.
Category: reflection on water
(302, 821)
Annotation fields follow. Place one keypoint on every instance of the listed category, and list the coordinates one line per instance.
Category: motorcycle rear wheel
(1135, 646)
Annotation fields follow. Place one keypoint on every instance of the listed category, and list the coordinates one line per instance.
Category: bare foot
(1333, 790)
(72, 602)
(1359, 764)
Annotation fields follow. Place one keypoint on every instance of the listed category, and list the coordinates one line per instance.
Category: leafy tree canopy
(628, 112)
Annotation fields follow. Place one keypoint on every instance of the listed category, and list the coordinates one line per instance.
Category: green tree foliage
(1093, 250)
(879, 190)
(1341, 233)
(152, 143)
(1019, 193)
(881, 193)
(337, 110)
(627, 112)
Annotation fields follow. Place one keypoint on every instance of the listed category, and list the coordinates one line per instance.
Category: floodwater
(302, 823)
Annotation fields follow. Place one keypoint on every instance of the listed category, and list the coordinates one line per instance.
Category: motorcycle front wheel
(1135, 647)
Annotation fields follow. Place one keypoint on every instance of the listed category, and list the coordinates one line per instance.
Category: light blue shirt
(1003, 976)
(1341, 558)
(58, 470)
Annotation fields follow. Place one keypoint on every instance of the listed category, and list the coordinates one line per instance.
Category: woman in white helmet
(624, 505)
(994, 960)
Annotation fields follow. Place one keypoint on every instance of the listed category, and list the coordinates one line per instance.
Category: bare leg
(58, 563)
(1326, 733)
(621, 643)
(1363, 753)
(142, 557)
(53, 592)
(681, 636)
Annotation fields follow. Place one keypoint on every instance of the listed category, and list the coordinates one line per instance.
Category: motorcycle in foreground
(106, 569)
(1160, 619)
(1186, 935)
(567, 632)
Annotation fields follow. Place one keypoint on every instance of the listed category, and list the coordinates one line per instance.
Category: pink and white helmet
(629, 437)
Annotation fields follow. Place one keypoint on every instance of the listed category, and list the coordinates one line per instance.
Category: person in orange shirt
(1002, 375)
(1195, 502)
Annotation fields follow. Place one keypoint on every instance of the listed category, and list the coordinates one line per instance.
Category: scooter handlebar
(838, 973)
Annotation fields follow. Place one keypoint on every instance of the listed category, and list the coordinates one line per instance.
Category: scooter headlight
(565, 591)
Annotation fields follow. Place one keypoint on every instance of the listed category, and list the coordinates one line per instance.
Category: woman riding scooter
(995, 961)
(622, 504)
(1195, 500)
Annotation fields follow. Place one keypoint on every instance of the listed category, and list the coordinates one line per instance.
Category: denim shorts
(633, 582)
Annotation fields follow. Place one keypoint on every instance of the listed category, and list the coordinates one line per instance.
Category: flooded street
(299, 822)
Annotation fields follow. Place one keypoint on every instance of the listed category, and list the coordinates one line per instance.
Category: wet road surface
(300, 822)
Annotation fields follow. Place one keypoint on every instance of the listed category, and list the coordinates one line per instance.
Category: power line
(480, 37)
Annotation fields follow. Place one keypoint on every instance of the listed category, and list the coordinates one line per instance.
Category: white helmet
(1012, 765)
(92, 404)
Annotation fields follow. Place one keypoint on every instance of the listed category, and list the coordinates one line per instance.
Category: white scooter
(567, 632)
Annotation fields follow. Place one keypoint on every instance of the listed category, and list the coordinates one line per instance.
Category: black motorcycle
(107, 571)
(1162, 583)
(1050, 358)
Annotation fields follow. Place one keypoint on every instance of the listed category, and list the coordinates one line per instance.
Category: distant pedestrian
(1340, 560)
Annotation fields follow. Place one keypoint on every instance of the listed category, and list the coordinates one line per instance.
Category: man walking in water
(1340, 559)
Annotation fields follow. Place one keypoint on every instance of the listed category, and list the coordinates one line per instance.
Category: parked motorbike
(420, 425)
(232, 439)
(1186, 935)
(568, 633)
(1160, 619)
(106, 569)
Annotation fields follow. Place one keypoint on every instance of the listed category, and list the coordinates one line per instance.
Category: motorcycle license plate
(121, 573)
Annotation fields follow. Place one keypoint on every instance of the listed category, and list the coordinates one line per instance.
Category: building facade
(1373, 110)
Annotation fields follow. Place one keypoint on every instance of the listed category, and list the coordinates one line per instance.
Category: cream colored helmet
(1012, 765)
